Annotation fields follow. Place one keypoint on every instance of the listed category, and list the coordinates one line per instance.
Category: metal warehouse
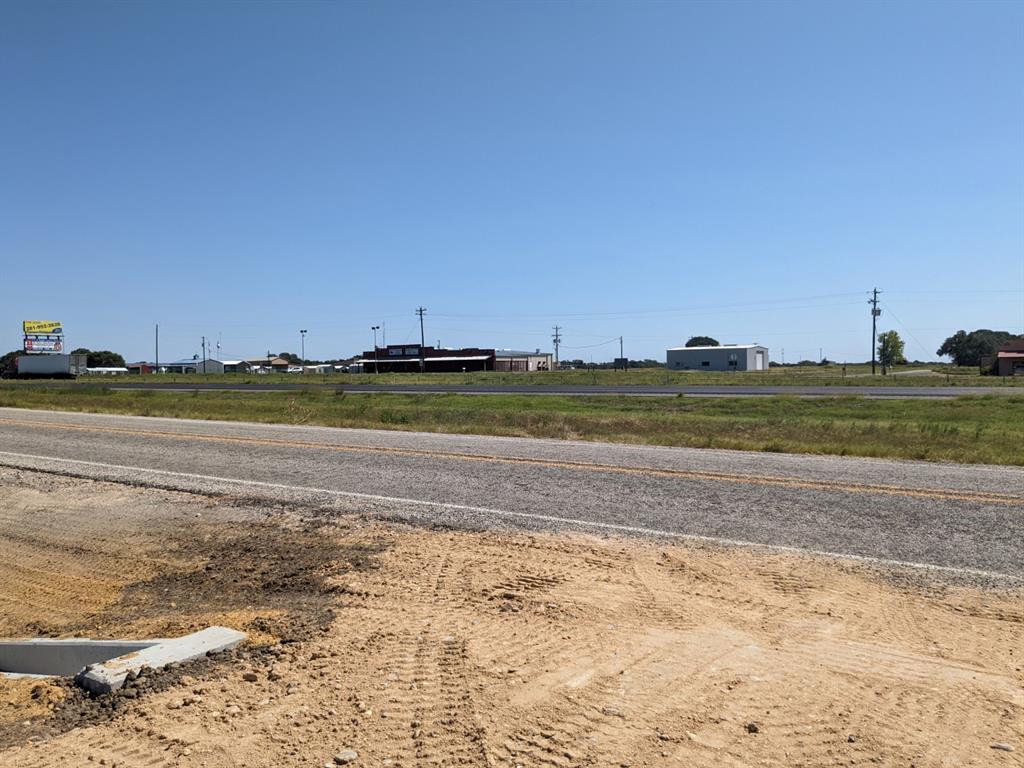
(194, 365)
(728, 357)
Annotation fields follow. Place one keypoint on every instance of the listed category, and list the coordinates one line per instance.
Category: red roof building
(1010, 359)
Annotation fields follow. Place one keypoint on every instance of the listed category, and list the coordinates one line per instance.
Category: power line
(675, 310)
(907, 330)
(955, 292)
(599, 344)
(696, 313)
(706, 310)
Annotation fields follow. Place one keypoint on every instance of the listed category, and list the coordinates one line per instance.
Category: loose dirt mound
(262, 577)
(97, 559)
(28, 698)
(484, 649)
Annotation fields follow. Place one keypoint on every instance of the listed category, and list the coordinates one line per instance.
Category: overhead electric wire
(591, 346)
(676, 310)
(905, 329)
(954, 292)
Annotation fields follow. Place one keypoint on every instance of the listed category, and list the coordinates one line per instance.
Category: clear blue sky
(748, 171)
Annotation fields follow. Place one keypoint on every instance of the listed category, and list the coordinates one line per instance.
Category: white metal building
(517, 360)
(193, 365)
(728, 357)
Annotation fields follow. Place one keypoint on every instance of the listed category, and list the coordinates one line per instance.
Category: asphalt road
(954, 520)
(707, 390)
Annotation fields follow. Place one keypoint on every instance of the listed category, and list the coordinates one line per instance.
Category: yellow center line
(684, 474)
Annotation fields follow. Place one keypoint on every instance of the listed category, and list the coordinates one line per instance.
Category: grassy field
(826, 375)
(968, 429)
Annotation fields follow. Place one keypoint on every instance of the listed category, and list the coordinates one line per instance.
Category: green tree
(7, 363)
(101, 358)
(702, 341)
(968, 348)
(890, 349)
(104, 358)
(291, 357)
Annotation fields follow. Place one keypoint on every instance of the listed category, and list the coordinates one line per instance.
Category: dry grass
(854, 375)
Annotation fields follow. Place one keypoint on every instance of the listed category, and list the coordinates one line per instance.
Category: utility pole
(204, 354)
(302, 333)
(622, 357)
(875, 312)
(156, 362)
(557, 338)
(421, 311)
(384, 334)
(376, 360)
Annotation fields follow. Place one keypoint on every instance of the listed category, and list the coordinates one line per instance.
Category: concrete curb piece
(45, 657)
(110, 675)
(101, 666)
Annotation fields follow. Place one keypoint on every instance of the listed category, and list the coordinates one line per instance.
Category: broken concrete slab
(110, 675)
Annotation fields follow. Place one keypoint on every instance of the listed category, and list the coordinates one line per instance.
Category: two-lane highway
(956, 519)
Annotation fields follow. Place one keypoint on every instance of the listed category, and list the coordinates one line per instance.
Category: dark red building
(405, 358)
(1010, 359)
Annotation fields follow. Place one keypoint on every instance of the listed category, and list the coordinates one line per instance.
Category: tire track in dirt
(112, 754)
(478, 649)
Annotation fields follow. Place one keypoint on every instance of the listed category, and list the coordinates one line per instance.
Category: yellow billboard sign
(42, 327)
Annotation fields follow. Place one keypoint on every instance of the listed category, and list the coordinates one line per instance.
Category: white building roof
(722, 346)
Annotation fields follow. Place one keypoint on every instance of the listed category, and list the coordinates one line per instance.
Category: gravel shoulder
(416, 646)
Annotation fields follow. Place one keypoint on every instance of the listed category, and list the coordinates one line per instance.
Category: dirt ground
(416, 648)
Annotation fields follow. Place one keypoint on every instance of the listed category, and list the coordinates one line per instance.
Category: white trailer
(51, 366)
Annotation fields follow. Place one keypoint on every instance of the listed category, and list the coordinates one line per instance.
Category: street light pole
(376, 364)
(302, 333)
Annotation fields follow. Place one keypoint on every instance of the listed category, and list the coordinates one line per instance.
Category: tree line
(969, 348)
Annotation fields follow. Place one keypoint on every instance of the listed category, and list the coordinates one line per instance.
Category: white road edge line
(523, 515)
